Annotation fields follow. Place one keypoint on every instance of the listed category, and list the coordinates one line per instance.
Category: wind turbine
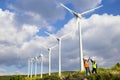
(36, 61)
(31, 62)
(59, 47)
(28, 67)
(40, 57)
(49, 52)
(79, 16)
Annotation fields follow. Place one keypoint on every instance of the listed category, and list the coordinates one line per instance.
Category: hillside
(103, 74)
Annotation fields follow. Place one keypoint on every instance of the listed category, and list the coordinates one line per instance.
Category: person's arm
(88, 58)
(91, 60)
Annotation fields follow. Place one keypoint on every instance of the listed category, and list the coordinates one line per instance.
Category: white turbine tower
(40, 57)
(59, 47)
(36, 61)
(79, 16)
(49, 52)
(29, 67)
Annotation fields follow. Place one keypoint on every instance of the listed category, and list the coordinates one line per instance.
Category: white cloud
(4, 72)
(44, 9)
(12, 37)
(43, 13)
(100, 39)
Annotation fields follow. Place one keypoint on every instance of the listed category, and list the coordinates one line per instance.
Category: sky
(22, 33)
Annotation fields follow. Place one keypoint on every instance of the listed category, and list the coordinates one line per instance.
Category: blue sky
(23, 23)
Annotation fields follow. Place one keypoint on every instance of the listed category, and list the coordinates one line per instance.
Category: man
(86, 65)
(94, 66)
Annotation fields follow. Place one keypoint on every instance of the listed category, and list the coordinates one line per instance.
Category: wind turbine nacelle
(41, 55)
(79, 16)
(58, 39)
(49, 49)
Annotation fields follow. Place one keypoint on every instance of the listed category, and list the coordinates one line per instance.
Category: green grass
(5, 77)
(103, 74)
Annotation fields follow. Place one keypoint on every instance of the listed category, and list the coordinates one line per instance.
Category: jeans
(87, 70)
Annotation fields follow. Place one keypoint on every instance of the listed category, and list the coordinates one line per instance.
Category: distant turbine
(49, 52)
(28, 67)
(79, 16)
(36, 61)
(31, 63)
(59, 47)
(40, 57)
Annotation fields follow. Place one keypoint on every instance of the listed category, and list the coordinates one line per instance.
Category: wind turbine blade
(51, 35)
(36, 58)
(71, 11)
(54, 46)
(41, 55)
(91, 10)
(66, 35)
(32, 60)
(44, 47)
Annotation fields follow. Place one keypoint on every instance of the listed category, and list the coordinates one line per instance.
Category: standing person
(86, 65)
(94, 66)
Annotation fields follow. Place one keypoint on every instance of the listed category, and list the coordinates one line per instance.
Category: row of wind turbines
(78, 18)
(35, 60)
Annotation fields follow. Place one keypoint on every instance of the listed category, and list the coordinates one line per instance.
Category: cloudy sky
(22, 33)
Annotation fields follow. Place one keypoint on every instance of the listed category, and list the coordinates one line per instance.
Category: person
(86, 65)
(94, 66)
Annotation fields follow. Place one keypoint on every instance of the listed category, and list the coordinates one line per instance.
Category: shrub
(17, 77)
(116, 67)
(53, 77)
(104, 76)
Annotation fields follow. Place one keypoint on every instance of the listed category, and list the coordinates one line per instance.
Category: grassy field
(103, 74)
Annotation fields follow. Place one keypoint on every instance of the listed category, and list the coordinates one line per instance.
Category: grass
(103, 74)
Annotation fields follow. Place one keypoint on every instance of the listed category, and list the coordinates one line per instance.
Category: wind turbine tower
(29, 67)
(59, 48)
(36, 61)
(79, 16)
(49, 51)
(40, 57)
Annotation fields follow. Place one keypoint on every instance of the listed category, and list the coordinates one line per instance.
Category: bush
(104, 76)
(74, 76)
(116, 67)
(53, 77)
(17, 77)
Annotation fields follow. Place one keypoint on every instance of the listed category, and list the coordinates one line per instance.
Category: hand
(89, 57)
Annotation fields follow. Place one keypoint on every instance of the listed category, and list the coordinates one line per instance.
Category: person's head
(85, 60)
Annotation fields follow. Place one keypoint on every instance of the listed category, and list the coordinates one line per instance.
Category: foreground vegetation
(103, 74)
